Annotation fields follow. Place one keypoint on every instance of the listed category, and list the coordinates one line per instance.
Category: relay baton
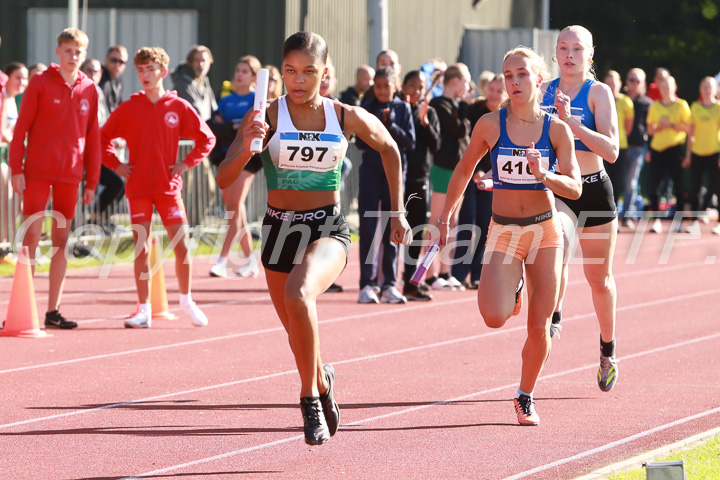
(261, 89)
(427, 260)
(486, 183)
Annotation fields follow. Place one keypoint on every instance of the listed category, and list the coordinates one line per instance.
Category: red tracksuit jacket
(3, 81)
(61, 124)
(152, 132)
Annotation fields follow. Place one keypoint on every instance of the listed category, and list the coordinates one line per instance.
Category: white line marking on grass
(456, 399)
(614, 444)
(637, 461)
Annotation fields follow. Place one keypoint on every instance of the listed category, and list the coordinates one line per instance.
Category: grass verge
(702, 462)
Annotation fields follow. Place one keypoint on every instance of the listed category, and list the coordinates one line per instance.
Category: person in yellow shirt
(668, 121)
(626, 114)
(637, 138)
(703, 148)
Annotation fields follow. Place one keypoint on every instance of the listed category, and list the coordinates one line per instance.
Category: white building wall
(484, 48)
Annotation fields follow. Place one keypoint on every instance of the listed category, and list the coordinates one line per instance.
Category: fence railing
(203, 200)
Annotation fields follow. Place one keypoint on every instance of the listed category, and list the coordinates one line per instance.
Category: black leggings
(662, 164)
(699, 165)
(114, 188)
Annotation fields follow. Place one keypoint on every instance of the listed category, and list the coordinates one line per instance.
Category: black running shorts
(596, 201)
(286, 234)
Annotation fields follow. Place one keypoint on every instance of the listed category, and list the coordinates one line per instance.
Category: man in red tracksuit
(58, 115)
(152, 123)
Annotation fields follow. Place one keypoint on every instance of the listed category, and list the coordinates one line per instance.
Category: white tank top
(305, 160)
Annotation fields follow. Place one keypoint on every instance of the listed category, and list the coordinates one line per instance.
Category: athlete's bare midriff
(521, 203)
(302, 200)
(589, 162)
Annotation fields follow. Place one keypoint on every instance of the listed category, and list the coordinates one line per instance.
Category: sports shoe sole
(333, 423)
(61, 327)
(608, 384)
(394, 301)
(132, 325)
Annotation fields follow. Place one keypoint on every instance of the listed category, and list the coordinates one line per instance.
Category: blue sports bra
(510, 168)
(579, 107)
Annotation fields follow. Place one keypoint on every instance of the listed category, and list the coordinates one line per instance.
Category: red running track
(424, 389)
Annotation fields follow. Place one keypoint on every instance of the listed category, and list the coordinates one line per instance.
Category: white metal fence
(203, 201)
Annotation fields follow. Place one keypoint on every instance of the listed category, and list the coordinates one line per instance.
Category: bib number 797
(307, 154)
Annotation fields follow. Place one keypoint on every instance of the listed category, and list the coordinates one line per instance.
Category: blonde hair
(614, 74)
(252, 62)
(586, 39)
(537, 64)
(708, 79)
(278, 90)
(484, 78)
(670, 80)
(73, 35)
(152, 54)
(497, 77)
(537, 60)
(639, 71)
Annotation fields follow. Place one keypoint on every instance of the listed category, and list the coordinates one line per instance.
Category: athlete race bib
(575, 112)
(513, 167)
(313, 151)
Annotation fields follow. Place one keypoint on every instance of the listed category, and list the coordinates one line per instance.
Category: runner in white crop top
(304, 160)
(297, 278)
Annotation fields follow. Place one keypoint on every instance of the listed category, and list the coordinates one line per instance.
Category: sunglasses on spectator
(118, 60)
(633, 80)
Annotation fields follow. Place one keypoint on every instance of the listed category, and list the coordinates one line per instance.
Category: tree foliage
(680, 35)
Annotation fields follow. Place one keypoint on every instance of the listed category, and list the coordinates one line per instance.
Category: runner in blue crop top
(524, 232)
(510, 168)
(579, 108)
(592, 117)
(231, 111)
(305, 236)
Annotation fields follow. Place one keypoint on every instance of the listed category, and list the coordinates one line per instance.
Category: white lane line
(235, 335)
(682, 242)
(240, 301)
(444, 402)
(651, 271)
(352, 360)
(172, 283)
(341, 319)
(614, 444)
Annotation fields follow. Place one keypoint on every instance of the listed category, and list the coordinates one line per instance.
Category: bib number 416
(508, 167)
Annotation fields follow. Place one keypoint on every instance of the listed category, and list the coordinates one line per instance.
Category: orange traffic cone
(158, 294)
(22, 317)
